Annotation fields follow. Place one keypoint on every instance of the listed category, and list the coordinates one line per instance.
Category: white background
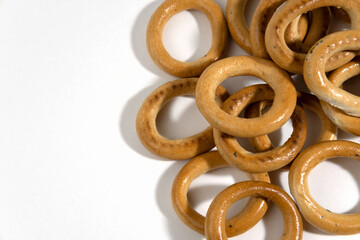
(73, 74)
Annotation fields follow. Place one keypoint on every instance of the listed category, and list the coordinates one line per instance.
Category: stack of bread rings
(284, 38)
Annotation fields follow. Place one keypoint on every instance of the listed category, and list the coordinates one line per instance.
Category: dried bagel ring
(215, 217)
(239, 30)
(264, 12)
(156, 26)
(314, 73)
(146, 123)
(274, 35)
(298, 181)
(345, 122)
(328, 129)
(279, 81)
(246, 219)
(267, 161)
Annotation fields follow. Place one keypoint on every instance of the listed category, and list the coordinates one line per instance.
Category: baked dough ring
(267, 161)
(346, 122)
(215, 217)
(246, 219)
(264, 12)
(298, 181)
(314, 73)
(146, 123)
(156, 26)
(274, 35)
(279, 81)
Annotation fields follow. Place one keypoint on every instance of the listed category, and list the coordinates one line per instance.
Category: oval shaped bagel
(155, 30)
(314, 70)
(216, 215)
(265, 161)
(274, 35)
(146, 129)
(279, 81)
(247, 218)
(298, 181)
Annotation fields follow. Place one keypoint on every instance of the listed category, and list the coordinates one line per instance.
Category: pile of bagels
(285, 38)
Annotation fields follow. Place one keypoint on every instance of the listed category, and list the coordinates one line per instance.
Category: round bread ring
(345, 122)
(274, 35)
(271, 160)
(246, 219)
(328, 129)
(264, 12)
(298, 181)
(156, 26)
(239, 30)
(146, 123)
(279, 81)
(314, 73)
(216, 215)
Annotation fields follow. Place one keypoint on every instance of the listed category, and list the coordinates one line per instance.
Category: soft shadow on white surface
(353, 168)
(345, 169)
(180, 118)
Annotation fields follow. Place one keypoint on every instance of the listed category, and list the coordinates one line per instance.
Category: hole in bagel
(236, 83)
(180, 118)
(352, 85)
(204, 189)
(335, 185)
(277, 138)
(337, 25)
(187, 35)
(313, 127)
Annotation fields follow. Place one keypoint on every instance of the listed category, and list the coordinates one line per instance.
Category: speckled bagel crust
(266, 8)
(178, 149)
(247, 218)
(266, 161)
(274, 35)
(156, 26)
(235, 16)
(298, 181)
(279, 81)
(215, 217)
(314, 70)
